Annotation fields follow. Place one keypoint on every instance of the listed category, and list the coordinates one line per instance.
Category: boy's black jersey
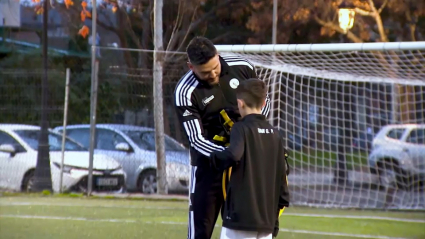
(198, 105)
(258, 188)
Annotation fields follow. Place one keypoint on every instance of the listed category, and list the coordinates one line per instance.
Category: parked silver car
(18, 160)
(134, 148)
(398, 155)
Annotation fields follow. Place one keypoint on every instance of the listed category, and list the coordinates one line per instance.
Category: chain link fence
(124, 150)
(124, 157)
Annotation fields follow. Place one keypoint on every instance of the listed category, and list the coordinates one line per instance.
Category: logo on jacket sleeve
(207, 100)
(187, 113)
(234, 83)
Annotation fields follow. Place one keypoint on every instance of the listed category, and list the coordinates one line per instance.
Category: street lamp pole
(274, 77)
(42, 174)
(274, 30)
(346, 15)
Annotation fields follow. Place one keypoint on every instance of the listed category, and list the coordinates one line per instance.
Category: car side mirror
(8, 148)
(122, 147)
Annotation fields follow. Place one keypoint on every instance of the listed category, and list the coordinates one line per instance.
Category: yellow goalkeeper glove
(228, 124)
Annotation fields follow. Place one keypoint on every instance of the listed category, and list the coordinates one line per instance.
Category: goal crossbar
(384, 62)
(311, 72)
(369, 46)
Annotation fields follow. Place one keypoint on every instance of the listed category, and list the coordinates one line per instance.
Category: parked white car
(134, 148)
(18, 159)
(398, 155)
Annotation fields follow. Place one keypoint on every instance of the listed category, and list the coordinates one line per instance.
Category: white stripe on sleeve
(235, 60)
(197, 140)
(240, 63)
(185, 89)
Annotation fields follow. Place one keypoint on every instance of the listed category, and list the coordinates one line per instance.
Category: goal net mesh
(330, 105)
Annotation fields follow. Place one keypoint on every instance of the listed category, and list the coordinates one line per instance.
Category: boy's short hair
(200, 50)
(253, 92)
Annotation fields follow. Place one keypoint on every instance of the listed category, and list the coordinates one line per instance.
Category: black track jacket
(198, 106)
(258, 184)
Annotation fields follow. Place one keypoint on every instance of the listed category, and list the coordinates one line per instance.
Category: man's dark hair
(200, 50)
(253, 92)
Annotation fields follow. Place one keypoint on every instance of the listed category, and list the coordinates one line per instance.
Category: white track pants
(227, 233)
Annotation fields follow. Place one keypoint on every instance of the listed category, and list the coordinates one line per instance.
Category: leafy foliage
(398, 18)
(223, 21)
(20, 91)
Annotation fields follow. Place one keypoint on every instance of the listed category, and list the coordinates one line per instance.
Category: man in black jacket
(200, 96)
(258, 189)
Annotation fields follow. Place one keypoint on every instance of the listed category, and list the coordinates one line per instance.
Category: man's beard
(213, 81)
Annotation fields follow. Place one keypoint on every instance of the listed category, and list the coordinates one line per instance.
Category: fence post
(159, 57)
(93, 103)
(65, 117)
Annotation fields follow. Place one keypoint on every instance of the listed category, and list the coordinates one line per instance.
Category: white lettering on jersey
(207, 100)
(265, 131)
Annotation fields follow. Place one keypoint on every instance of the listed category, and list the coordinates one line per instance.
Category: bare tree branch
(222, 36)
(209, 15)
(372, 5)
(177, 25)
(334, 27)
(412, 25)
(175, 39)
(383, 6)
(363, 12)
(378, 20)
(189, 30)
(133, 36)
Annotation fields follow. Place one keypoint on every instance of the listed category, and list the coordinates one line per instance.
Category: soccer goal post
(330, 101)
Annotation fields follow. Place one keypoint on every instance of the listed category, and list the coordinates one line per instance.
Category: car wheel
(147, 182)
(391, 176)
(28, 182)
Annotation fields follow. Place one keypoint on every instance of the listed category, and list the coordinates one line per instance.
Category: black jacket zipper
(222, 94)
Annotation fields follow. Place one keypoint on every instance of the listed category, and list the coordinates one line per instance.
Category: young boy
(257, 189)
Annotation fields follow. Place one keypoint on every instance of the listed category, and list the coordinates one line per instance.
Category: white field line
(354, 217)
(339, 234)
(82, 205)
(184, 224)
(65, 218)
(176, 208)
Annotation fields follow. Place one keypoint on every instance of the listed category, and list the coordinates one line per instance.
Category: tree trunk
(145, 42)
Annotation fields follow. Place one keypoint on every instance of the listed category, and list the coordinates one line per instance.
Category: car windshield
(55, 141)
(146, 140)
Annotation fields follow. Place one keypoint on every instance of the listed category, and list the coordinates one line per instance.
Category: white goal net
(330, 101)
